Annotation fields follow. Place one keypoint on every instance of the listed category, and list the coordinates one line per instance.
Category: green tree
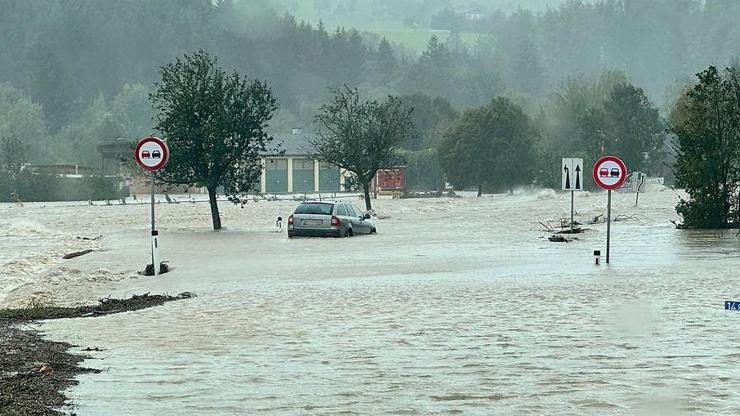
(132, 110)
(635, 126)
(50, 83)
(24, 120)
(456, 154)
(596, 134)
(524, 70)
(428, 113)
(706, 122)
(589, 118)
(77, 142)
(423, 171)
(215, 125)
(433, 72)
(430, 117)
(491, 146)
(386, 60)
(360, 136)
(573, 123)
(13, 155)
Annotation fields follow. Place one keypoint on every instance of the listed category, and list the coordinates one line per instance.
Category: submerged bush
(32, 187)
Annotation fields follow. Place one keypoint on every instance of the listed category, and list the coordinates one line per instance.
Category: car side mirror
(367, 216)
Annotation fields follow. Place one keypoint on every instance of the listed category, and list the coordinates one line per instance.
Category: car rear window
(315, 209)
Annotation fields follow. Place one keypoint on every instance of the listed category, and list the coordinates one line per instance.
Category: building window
(276, 164)
(302, 164)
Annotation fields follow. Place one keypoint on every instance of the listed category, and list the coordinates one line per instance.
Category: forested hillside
(75, 73)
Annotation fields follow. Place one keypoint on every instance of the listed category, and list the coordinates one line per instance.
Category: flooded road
(457, 306)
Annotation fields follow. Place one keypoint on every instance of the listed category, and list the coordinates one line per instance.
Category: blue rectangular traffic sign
(732, 305)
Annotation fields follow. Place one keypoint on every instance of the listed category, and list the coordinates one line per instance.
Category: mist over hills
(77, 73)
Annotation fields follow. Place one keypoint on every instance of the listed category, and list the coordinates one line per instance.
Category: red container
(393, 179)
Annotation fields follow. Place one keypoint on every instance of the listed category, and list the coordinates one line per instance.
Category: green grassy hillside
(392, 19)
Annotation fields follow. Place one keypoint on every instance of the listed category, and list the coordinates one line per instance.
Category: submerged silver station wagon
(329, 219)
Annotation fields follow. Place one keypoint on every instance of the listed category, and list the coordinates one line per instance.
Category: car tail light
(335, 221)
(290, 220)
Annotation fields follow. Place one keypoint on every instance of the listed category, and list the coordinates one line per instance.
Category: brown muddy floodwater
(457, 306)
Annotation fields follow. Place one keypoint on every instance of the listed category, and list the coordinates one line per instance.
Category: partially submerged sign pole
(608, 223)
(640, 184)
(609, 173)
(572, 182)
(572, 210)
(155, 236)
(152, 154)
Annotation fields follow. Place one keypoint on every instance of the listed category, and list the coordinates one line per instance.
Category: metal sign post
(609, 173)
(152, 154)
(572, 182)
(608, 223)
(640, 184)
(572, 210)
(155, 245)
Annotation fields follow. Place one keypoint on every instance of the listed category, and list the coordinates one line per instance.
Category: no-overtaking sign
(610, 172)
(152, 153)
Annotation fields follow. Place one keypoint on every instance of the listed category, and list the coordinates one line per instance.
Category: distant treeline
(64, 53)
(656, 42)
(77, 73)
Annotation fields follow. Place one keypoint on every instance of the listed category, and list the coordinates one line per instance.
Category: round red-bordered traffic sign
(610, 172)
(152, 153)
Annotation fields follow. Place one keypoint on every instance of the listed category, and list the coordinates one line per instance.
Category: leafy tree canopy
(706, 122)
(215, 124)
(490, 146)
(361, 136)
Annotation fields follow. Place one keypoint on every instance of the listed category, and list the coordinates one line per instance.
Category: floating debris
(77, 254)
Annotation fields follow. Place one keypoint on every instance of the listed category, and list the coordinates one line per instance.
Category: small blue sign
(732, 305)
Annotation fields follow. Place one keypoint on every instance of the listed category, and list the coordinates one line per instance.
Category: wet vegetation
(706, 122)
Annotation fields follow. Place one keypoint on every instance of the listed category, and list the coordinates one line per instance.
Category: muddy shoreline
(34, 371)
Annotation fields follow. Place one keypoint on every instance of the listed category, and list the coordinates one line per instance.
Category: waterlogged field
(457, 306)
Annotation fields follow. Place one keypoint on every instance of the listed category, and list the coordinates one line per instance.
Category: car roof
(323, 202)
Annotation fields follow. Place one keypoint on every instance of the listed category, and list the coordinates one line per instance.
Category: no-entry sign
(610, 172)
(152, 153)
